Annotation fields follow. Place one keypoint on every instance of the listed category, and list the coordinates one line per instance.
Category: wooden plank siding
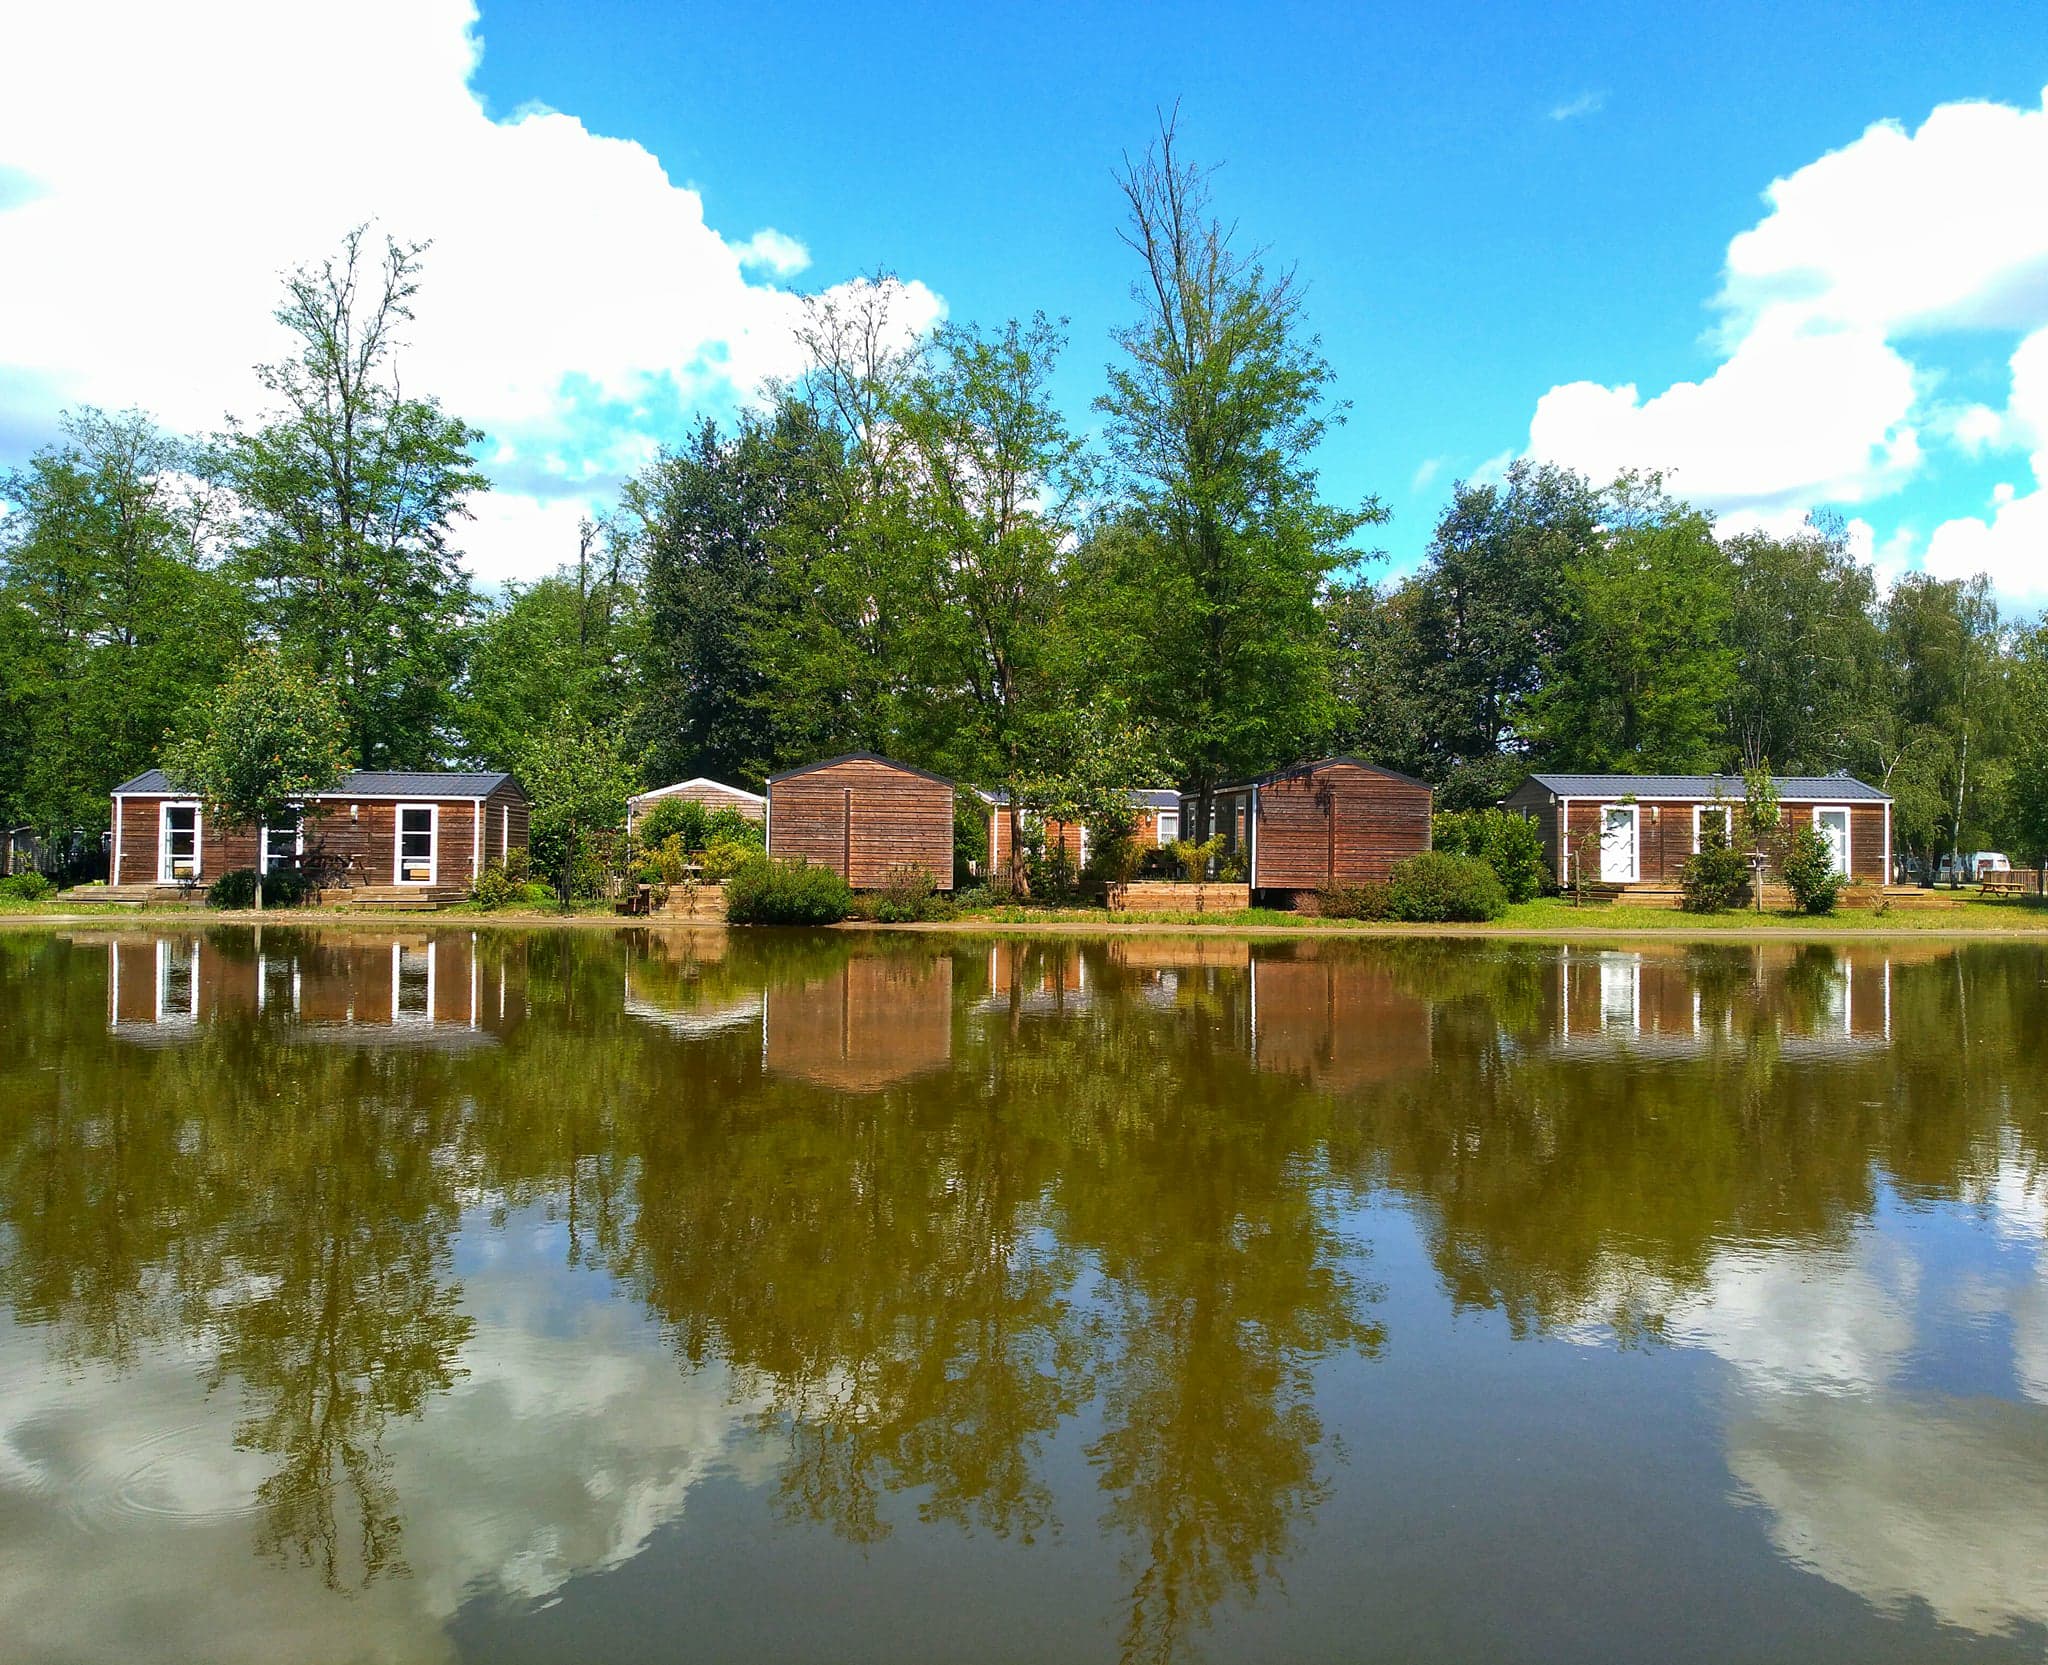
(710, 793)
(1664, 835)
(1339, 821)
(1070, 836)
(863, 817)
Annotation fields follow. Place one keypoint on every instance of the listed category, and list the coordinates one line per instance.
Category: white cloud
(167, 163)
(1817, 398)
(1426, 471)
(1586, 104)
(2011, 541)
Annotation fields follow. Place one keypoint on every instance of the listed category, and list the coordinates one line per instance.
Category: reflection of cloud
(1906, 1499)
(573, 1437)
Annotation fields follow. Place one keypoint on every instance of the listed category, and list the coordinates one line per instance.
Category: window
(1169, 826)
(416, 843)
(178, 846)
(1831, 821)
(1708, 818)
(281, 843)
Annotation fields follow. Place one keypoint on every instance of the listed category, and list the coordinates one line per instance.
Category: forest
(908, 547)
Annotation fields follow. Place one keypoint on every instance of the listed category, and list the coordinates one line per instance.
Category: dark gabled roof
(371, 783)
(858, 757)
(1797, 789)
(1307, 767)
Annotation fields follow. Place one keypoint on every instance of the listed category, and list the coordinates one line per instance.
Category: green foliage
(349, 495)
(766, 892)
(1193, 859)
(578, 783)
(723, 857)
(1808, 868)
(1050, 866)
(27, 887)
(1717, 877)
(510, 883)
(1371, 899)
(2029, 730)
(1506, 840)
(1437, 887)
(909, 896)
(282, 888)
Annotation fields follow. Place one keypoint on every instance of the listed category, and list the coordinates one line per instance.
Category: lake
(565, 1295)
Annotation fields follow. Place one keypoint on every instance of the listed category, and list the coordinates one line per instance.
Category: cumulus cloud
(162, 165)
(2010, 542)
(1818, 398)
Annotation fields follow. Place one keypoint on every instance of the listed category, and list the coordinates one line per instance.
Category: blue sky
(1487, 202)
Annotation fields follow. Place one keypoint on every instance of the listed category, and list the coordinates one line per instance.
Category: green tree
(578, 780)
(262, 744)
(111, 620)
(1214, 413)
(1645, 673)
(351, 492)
(2029, 730)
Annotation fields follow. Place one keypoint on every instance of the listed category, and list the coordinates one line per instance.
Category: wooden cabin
(864, 817)
(712, 794)
(877, 1020)
(1338, 821)
(1636, 832)
(381, 835)
(1157, 811)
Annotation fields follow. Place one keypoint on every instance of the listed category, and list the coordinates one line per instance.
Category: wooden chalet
(1635, 833)
(1337, 821)
(864, 817)
(382, 836)
(1157, 825)
(712, 794)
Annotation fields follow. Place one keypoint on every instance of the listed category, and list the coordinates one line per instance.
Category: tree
(1214, 414)
(350, 494)
(113, 618)
(1645, 671)
(996, 476)
(578, 780)
(260, 746)
(2029, 729)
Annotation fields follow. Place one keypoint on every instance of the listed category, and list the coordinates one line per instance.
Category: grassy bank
(1546, 917)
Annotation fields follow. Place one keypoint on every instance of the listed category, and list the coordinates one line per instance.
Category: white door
(416, 844)
(178, 844)
(1833, 826)
(1618, 844)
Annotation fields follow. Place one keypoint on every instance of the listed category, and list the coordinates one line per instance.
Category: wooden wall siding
(1664, 834)
(505, 812)
(362, 849)
(1336, 1024)
(878, 1020)
(1145, 833)
(1340, 824)
(862, 819)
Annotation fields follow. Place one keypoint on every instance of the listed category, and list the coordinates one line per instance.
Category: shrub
(723, 857)
(508, 884)
(26, 887)
(1438, 887)
(1051, 871)
(765, 892)
(236, 888)
(1193, 859)
(979, 897)
(1810, 872)
(493, 888)
(1372, 899)
(907, 895)
(1717, 878)
(1506, 840)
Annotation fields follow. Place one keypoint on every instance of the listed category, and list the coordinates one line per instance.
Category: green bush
(977, 898)
(26, 887)
(285, 888)
(723, 857)
(1717, 878)
(729, 826)
(509, 884)
(1438, 887)
(1810, 873)
(765, 892)
(1372, 899)
(908, 894)
(1506, 840)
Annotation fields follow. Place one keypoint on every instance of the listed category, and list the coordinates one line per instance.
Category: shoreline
(1682, 927)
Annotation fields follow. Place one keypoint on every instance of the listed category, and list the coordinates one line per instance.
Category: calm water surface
(569, 1297)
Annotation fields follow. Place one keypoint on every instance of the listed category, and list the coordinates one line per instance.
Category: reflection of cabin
(877, 1020)
(1638, 831)
(1337, 1021)
(1646, 1001)
(1036, 976)
(712, 794)
(666, 986)
(436, 990)
(864, 817)
(1155, 824)
(383, 834)
(1339, 821)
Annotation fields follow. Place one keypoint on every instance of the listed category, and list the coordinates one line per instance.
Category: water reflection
(450, 1266)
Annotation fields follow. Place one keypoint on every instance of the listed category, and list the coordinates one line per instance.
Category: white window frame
(1635, 843)
(263, 857)
(400, 1017)
(1848, 832)
(1727, 813)
(433, 844)
(164, 874)
(1161, 837)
